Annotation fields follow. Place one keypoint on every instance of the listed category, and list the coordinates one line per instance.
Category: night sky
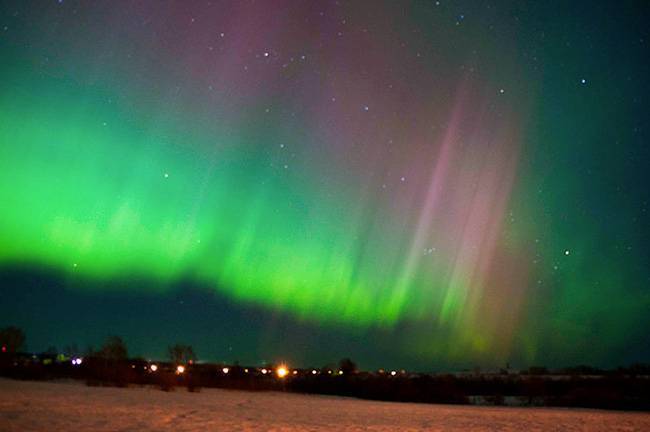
(430, 185)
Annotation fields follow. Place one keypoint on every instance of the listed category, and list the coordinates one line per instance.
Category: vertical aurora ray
(347, 165)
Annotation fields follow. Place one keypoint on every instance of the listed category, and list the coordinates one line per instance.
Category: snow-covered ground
(70, 406)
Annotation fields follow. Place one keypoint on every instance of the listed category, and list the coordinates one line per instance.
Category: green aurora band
(323, 200)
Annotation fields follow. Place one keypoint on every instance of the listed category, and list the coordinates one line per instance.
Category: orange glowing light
(180, 369)
(282, 372)
(225, 370)
(153, 368)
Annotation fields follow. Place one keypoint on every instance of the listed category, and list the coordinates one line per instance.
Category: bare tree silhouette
(12, 339)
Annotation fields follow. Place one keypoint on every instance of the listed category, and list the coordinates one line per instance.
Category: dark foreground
(37, 406)
(620, 390)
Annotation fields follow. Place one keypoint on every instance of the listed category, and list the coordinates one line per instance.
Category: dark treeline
(582, 386)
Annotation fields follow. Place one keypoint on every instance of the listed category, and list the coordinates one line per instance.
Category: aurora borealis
(466, 181)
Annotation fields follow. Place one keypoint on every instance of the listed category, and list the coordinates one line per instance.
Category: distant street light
(282, 372)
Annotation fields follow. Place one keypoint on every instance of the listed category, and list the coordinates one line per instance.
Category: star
(166, 175)
(583, 81)
(566, 252)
